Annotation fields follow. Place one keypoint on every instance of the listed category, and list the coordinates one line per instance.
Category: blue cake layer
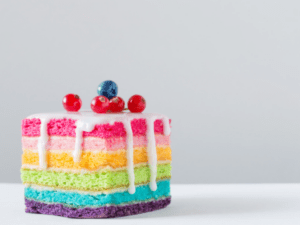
(74, 199)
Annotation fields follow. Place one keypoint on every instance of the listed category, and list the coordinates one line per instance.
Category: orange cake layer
(91, 160)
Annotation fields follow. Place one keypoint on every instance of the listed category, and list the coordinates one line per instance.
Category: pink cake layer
(109, 144)
(66, 127)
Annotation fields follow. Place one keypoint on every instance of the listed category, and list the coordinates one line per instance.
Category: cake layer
(94, 181)
(66, 127)
(77, 200)
(102, 212)
(93, 143)
(94, 160)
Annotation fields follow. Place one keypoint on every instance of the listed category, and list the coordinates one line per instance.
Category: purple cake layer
(102, 212)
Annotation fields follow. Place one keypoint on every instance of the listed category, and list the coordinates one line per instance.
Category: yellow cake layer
(92, 160)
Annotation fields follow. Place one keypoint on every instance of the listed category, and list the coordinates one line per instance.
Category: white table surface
(239, 204)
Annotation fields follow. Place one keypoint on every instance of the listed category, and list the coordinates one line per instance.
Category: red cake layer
(66, 127)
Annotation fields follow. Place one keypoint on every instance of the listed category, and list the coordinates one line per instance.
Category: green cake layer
(96, 181)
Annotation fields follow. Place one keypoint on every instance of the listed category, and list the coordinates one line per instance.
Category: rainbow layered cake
(89, 165)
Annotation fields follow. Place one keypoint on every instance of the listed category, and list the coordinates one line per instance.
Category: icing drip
(130, 166)
(87, 125)
(42, 141)
(167, 128)
(78, 143)
(151, 150)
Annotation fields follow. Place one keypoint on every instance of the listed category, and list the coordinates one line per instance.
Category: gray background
(226, 73)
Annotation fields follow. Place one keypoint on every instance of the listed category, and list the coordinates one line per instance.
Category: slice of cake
(88, 165)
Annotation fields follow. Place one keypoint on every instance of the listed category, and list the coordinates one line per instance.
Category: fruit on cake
(97, 164)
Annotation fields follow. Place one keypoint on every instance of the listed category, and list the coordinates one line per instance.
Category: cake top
(89, 115)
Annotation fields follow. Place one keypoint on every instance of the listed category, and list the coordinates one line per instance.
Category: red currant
(136, 103)
(100, 104)
(116, 104)
(72, 103)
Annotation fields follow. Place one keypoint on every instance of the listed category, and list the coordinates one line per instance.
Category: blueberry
(108, 88)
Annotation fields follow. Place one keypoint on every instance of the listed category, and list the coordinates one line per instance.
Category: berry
(116, 104)
(100, 104)
(136, 103)
(108, 88)
(72, 103)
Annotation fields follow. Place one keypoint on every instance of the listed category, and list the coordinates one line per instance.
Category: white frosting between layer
(87, 120)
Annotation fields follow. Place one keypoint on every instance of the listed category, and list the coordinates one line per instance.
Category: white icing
(42, 142)
(166, 124)
(87, 120)
(81, 125)
(130, 166)
(78, 142)
(151, 150)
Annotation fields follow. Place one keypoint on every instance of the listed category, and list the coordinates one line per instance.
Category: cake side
(100, 181)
